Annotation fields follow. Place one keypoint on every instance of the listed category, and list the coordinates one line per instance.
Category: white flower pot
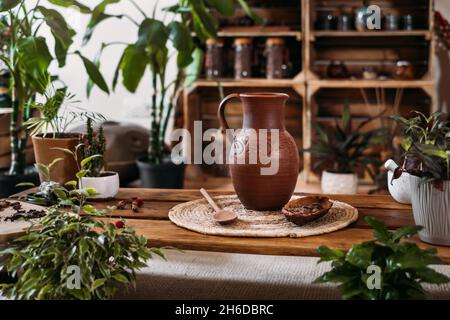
(107, 185)
(400, 188)
(431, 209)
(339, 183)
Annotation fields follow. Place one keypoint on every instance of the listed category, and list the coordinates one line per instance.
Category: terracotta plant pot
(66, 169)
(258, 188)
(431, 209)
(107, 185)
(339, 183)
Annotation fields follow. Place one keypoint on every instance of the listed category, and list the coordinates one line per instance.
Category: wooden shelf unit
(311, 90)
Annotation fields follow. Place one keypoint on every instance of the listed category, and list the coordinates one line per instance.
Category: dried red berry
(120, 224)
(138, 202)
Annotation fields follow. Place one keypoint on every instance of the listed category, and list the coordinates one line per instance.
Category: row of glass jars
(275, 52)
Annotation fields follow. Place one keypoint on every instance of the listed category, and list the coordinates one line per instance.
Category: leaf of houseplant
(90, 84)
(35, 59)
(152, 33)
(93, 24)
(133, 65)
(194, 69)
(249, 11)
(405, 232)
(71, 3)
(87, 160)
(94, 73)
(225, 7)
(379, 229)
(6, 5)
(431, 276)
(182, 41)
(177, 8)
(204, 23)
(360, 255)
(98, 15)
(327, 254)
(61, 31)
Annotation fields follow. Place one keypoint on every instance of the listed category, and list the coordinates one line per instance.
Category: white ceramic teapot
(399, 188)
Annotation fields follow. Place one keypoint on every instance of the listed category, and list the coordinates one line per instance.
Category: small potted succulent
(427, 159)
(342, 152)
(92, 149)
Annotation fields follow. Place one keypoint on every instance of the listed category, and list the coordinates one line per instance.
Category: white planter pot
(400, 188)
(107, 186)
(339, 183)
(431, 209)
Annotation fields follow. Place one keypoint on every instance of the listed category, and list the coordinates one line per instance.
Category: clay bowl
(304, 210)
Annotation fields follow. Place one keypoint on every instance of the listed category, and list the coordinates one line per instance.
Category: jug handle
(221, 111)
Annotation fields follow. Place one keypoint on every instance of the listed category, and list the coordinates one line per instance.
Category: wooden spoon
(220, 216)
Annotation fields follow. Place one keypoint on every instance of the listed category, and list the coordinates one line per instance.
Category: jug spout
(264, 110)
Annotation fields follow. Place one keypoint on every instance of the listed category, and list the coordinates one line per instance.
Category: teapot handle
(221, 111)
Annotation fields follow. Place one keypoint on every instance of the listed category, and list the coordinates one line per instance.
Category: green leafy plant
(343, 150)
(69, 197)
(93, 146)
(27, 57)
(426, 144)
(57, 113)
(404, 266)
(150, 51)
(106, 254)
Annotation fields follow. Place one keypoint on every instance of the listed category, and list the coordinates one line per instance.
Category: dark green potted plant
(427, 160)
(150, 52)
(342, 151)
(385, 269)
(27, 57)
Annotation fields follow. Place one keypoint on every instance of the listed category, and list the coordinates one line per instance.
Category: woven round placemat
(197, 216)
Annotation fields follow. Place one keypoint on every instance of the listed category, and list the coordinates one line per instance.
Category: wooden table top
(152, 222)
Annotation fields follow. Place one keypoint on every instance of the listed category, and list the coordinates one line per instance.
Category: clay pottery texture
(256, 189)
(66, 169)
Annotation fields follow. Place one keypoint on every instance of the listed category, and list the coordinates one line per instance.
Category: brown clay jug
(256, 189)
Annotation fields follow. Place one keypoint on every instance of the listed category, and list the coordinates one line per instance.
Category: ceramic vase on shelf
(261, 185)
(431, 209)
(339, 183)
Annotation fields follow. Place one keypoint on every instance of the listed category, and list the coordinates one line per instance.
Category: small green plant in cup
(92, 147)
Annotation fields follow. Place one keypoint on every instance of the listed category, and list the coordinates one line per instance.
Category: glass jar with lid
(243, 58)
(214, 64)
(276, 58)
